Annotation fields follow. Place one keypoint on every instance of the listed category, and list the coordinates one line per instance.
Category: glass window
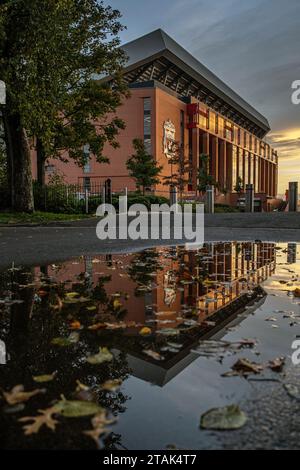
(87, 159)
(256, 174)
(147, 125)
(182, 129)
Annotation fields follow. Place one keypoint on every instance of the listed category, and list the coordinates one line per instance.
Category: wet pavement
(141, 342)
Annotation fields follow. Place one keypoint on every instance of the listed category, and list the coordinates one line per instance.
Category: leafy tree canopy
(51, 54)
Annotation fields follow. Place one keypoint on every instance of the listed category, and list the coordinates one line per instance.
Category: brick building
(175, 98)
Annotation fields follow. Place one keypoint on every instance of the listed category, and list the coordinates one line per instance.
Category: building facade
(174, 98)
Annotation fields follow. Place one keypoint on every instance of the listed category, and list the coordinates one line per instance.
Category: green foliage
(37, 217)
(138, 198)
(204, 178)
(222, 208)
(143, 167)
(52, 52)
(239, 187)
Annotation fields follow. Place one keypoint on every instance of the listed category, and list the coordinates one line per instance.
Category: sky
(253, 46)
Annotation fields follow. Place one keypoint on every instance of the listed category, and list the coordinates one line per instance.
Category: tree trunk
(20, 165)
(41, 159)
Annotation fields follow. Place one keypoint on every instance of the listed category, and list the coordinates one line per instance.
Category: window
(147, 125)
(87, 159)
(182, 129)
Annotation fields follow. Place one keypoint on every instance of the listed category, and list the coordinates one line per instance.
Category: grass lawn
(38, 217)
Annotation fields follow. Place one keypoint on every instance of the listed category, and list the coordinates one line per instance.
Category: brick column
(206, 143)
(229, 167)
(262, 175)
(222, 163)
(271, 169)
(215, 158)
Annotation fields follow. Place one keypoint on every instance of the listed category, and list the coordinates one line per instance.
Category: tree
(52, 54)
(179, 170)
(204, 178)
(143, 167)
(239, 187)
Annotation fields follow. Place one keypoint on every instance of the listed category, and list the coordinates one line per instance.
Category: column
(222, 163)
(215, 158)
(205, 137)
(262, 175)
(195, 152)
(229, 167)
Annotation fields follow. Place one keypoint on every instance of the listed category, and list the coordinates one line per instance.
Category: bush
(137, 198)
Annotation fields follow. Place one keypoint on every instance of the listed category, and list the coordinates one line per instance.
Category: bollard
(173, 195)
(86, 201)
(293, 197)
(249, 206)
(210, 200)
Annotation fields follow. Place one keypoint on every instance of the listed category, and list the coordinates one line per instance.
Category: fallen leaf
(104, 355)
(97, 326)
(111, 385)
(99, 422)
(297, 292)
(91, 308)
(44, 378)
(17, 395)
(244, 367)
(72, 295)
(75, 325)
(77, 408)
(277, 364)
(153, 354)
(223, 419)
(63, 342)
(145, 331)
(44, 419)
(117, 304)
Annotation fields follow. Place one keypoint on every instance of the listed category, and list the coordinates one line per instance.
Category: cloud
(253, 46)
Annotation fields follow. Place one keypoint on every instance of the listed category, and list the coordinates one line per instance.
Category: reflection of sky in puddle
(181, 297)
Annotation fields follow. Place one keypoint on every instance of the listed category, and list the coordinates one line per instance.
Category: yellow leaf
(145, 331)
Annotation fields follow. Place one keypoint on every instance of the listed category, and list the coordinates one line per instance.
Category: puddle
(149, 313)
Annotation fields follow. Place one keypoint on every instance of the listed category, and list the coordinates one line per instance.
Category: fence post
(103, 195)
(173, 195)
(86, 201)
(210, 200)
(126, 200)
(293, 197)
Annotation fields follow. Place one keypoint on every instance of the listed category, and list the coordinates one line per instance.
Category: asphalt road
(29, 245)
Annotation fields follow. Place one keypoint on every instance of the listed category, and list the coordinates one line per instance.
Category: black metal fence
(71, 198)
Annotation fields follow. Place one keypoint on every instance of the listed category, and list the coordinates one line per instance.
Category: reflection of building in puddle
(292, 253)
(181, 295)
(2, 353)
